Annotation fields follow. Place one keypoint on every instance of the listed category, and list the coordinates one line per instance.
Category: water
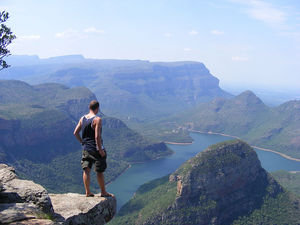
(125, 185)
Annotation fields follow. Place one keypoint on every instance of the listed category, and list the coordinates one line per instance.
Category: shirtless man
(93, 150)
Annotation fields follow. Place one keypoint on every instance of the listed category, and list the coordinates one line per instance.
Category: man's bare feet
(106, 194)
(90, 195)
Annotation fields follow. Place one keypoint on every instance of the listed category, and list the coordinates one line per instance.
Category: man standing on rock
(93, 150)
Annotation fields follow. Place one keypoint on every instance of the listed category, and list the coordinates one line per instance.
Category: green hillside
(245, 116)
(289, 180)
(225, 184)
(36, 135)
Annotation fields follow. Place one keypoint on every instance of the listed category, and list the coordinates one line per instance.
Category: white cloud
(193, 32)
(275, 16)
(29, 37)
(168, 35)
(93, 30)
(69, 33)
(239, 58)
(187, 49)
(72, 33)
(263, 11)
(216, 32)
(266, 13)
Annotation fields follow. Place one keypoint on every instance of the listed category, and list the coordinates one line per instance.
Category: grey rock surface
(21, 212)
(22, 201)
(75, 208)
(19, 191)
(7, 173)
(25, 202)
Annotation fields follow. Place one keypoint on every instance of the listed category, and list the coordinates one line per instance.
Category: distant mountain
(29, 60)
(225, 184)
(245, 116)
(134, 90)
(36, 135)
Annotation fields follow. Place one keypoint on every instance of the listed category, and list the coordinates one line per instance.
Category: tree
(6, 37)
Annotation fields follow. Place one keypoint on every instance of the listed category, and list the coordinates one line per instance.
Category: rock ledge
(72, 208)
(25, 202)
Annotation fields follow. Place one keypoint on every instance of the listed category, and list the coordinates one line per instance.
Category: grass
(281, 210)
(291, 181)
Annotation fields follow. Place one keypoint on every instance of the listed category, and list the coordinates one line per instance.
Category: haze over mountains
(129, 89)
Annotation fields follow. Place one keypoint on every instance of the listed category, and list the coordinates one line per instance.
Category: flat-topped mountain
(225, 184)
(135, 90)
(36, 135)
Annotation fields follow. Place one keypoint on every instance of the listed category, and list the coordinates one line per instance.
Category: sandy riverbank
(227, 135)
(279, 153)
(294, 172)
(178, 143)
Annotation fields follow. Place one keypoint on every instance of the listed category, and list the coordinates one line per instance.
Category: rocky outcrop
(22, 200)
(75, 209)
(25, 202)
(222, 183)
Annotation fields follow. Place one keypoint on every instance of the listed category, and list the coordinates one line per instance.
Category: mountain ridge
(244, 116)
(132, 90)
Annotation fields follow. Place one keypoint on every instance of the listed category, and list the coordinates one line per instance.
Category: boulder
(75, 208)
(15, 190)
(22, 201)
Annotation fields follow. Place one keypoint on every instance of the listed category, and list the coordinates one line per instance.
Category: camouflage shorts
(89, 158)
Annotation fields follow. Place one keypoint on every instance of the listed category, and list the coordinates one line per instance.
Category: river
(126, 184)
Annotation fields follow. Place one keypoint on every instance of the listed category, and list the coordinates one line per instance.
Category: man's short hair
(94, 105)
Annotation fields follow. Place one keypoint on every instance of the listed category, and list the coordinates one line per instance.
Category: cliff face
(157, 89)
(225, 184)
(220, 184)
(188, 81)
(25, 202)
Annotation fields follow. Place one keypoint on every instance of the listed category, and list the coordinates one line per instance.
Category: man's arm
(77, 131)
(98, 138)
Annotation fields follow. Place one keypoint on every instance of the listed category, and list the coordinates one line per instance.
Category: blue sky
(242, 42)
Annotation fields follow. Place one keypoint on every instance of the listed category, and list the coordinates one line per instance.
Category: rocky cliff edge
(25, 202)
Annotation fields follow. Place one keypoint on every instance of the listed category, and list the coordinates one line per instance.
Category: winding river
(126, 184)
